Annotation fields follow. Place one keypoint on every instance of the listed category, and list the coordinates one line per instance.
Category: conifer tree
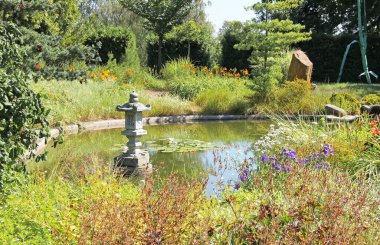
(271, 32)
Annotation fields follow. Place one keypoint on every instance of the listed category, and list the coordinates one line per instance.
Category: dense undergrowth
(186, 89)
(315, 183)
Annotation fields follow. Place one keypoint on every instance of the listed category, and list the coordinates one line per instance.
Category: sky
(227, 10)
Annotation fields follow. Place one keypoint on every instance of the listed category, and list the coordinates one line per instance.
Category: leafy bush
(371, 99)
(346, 101)
(22, 116)
(121, 42)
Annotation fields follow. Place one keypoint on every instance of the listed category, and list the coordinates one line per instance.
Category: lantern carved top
(133, 105)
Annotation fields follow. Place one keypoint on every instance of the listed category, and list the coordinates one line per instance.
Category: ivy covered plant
(22, 116)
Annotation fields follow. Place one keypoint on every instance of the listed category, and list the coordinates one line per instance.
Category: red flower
(375, 131)
(373, 123)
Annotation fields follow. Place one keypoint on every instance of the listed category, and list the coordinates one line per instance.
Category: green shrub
(22, 116)
(371, 99)
(346, 101)
(116, 40)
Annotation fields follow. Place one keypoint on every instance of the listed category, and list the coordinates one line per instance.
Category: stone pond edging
(120, 123)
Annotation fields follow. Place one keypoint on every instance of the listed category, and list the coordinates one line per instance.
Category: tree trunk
(188, 50)
(159, 58)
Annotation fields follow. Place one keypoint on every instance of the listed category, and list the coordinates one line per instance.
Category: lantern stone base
(133, 164)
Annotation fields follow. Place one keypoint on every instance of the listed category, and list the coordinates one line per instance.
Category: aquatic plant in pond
(286, 160)
(170, 145)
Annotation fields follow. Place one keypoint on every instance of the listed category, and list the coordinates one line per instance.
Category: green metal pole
(363, 41)
(344, 59)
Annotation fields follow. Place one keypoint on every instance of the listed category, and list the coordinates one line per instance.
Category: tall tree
(333, 17)
(271, 32)
(160, 17)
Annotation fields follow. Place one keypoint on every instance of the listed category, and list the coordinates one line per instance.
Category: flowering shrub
(102, 74)
(302, 206)
(287, 159)
(215, 71)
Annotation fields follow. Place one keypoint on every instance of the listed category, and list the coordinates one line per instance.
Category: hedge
(113, 40)
(174, 49)
(326, 52)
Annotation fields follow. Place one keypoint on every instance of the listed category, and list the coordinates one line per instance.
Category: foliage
(171, 145)
(371, 99)
(222, 101)
(231, 35)
(160, 17)
(55, 210)
(329, 17)
(271, 32)
(296, 97)
(346, 101)
(326, 53)
(22, 116)
(43, 36)
(300, 205)
(200, 79)
(24, 13)
(72, 102)
(44, 16)
(119, 41)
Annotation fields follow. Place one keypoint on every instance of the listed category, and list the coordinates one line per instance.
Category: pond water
(223, 147)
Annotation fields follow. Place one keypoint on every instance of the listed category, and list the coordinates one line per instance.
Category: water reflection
(236, 137)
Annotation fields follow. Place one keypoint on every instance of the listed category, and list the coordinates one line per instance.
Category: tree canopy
(160, 16)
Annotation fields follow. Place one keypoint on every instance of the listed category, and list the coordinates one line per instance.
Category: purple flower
(327, 150)
(237, 186)
(243, 177)
(265, 158)
(246, 171)
(318, 166)
(278, 167)
(273, 160)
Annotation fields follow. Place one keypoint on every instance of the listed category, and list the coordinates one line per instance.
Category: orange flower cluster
(129, 72)
(38, 66)
(209, 72)
(102, 75)
(71, 68)
(188, 65)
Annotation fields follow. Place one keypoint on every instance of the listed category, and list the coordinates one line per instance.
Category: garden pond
(190, 150)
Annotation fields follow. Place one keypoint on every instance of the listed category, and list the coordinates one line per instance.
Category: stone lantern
(133, 158)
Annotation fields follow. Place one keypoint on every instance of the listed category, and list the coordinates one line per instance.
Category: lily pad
(171, 145)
